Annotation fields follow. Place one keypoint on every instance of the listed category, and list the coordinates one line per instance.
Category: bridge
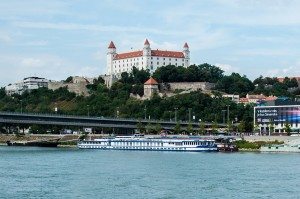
(83, 121)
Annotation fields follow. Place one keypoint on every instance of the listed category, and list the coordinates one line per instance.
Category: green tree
(177, 128)
(158, 128)
(190, 129)
(241, 126)
(140, 127)
(287, 128)
(69, 79)
(235, 84)
(229, 127)
(202, 128)
(214, 127)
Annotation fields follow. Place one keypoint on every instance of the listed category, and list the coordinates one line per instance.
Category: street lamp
(145, 111)
(21, 106)
(55, 108)
(117, 112)
(176, 114)
(228, 113)
(190, 116)
(223, 113)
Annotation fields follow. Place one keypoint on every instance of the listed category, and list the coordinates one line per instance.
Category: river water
(72, 173)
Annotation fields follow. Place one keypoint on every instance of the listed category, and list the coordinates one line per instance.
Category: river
(28, 172)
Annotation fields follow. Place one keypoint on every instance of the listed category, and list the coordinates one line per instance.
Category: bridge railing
(102, 118)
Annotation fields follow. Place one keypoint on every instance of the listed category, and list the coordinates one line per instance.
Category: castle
(117, 63)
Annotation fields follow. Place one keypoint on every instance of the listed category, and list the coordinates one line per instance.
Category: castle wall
(78, 88)
(192, 86)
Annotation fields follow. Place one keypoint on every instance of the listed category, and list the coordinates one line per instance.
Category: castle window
(164, 58)
(175, 64)
(151, 57)
(170, 63)
(151, 62)
(170, 59)
(157, 58)
(175, 59)
(157, 63)
(182, 59)
(164, 63)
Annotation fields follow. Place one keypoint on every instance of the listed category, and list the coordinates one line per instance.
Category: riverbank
(248, 144)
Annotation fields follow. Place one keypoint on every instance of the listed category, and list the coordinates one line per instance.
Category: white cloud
(5, 37)
(16, 67)
(288, 71)
(227, 68)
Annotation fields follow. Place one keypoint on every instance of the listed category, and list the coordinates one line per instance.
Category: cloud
(15, 67)
(92, 27)
(227, 68)
(288, 71)
(5, 37)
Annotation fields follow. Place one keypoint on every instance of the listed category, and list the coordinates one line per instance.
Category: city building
(234, 98)
(146, 58)
(27, 84)
(277, 119)
(257, 99)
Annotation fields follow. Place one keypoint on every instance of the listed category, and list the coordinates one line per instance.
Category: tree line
(116, 101)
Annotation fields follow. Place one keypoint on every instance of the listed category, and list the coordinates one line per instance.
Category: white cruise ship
(153, 144)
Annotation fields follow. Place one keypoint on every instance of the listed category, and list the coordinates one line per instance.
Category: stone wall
(187, 86)
(78, 88)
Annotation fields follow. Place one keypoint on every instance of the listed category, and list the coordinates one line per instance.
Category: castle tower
(186, 53)
(111, 53)
(150, 87)
(146, 55)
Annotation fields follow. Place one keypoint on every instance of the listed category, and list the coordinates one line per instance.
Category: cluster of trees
(201, 73)
(271, 86)
(235, 84)
(116, 101)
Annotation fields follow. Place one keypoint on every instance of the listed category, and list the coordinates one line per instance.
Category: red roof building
(146, 59)
(151, 81)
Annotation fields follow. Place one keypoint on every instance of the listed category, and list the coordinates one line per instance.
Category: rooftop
(151, 81)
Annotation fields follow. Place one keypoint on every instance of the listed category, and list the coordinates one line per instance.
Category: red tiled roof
(161, 53)
(151, 81)
(271, 98)
(146, 42)
(244, 100)
(129, 55)
(111, 45)
(186, 45)
(261, 96)
(158, 53)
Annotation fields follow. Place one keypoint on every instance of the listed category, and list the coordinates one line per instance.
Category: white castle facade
(117, 63)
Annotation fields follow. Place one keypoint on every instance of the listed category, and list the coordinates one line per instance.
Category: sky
(59, 38)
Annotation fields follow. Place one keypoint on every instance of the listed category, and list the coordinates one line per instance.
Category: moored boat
(153, 144)
(33, 143)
